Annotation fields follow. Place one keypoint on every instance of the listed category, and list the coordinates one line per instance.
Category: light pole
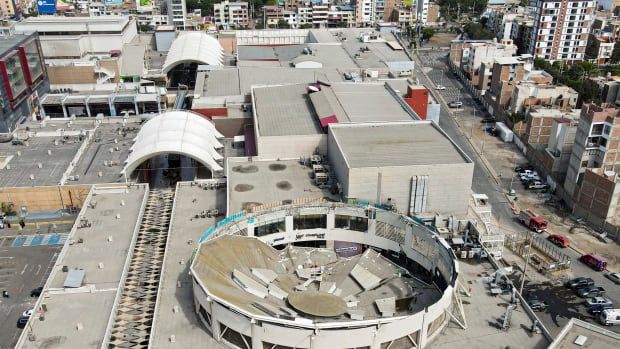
(527, 261)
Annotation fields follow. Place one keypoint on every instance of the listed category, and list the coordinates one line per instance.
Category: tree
(592, 47)
(615, 54)
(476, 31)
(427, 33)
(283, 24)
(306, 26)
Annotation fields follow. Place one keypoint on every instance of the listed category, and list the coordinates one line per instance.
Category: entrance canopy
(193, 47)
(176, 132)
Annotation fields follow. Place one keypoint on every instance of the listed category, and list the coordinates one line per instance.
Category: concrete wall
(78, 45)
(288, 147)
(339, 167)
(45, 198)
(70, 74)
(449, 186)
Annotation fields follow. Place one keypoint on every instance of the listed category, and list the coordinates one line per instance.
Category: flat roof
(189, 331)
(263, 182)
(285, 110)
(289, 109)
(414, 143)
(8, 42)
(330, 56)
(78, 318)
(596, 336)
(238, 81)
(54, 24)
(132, 60)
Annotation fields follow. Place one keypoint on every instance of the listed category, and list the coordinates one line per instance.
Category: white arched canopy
(176, 132)
(194, 47)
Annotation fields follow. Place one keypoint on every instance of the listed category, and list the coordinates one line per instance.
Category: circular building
(323, 276)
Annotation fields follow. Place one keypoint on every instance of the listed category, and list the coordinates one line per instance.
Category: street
(563, 304)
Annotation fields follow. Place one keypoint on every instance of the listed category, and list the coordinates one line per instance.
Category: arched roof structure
(176, 132)
(194, 47)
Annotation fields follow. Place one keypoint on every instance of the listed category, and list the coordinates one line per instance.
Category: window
(351, 223)
(270, 227)
(312, 221)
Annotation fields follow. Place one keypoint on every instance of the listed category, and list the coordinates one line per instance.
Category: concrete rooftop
(78, 317)
(255, 183)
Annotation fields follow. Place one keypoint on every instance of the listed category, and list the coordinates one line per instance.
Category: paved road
(563, 304)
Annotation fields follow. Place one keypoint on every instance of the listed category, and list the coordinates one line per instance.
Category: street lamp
(527, 261)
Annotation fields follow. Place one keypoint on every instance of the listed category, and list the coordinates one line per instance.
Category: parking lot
(22, 269)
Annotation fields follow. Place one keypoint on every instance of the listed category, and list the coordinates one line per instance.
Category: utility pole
(527, 261)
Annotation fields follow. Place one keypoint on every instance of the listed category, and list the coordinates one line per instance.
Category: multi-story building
(364, 12)
(597, 144)
(475, 52)
(403, 15)
(422, 10)
(176, 13)
(598, 199)
(23, 78)
(8, 8)
(561, 29)
(529, 94)
(433, 13)
(231, 14)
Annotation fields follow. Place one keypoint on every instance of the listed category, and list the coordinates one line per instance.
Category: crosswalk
(40, 240)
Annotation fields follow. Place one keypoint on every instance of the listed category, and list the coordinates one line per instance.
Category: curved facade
(176, 132)
(405, 240)
(193, 47)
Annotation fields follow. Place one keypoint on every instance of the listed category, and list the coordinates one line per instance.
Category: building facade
(561, 29)
(176, 13)
(23, 78)
(231, 14)
(597, 144)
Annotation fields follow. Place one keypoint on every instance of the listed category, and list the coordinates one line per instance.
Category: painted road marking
(24, 270)
(40, 240)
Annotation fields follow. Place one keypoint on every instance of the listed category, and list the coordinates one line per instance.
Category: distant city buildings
(231, 14)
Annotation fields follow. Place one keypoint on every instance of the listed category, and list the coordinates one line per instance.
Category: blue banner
(46, 7)
(112, 2)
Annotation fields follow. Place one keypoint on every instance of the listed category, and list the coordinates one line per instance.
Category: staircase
(105, 75)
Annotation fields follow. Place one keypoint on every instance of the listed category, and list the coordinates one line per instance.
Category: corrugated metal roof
(285, 110)
(395, 144)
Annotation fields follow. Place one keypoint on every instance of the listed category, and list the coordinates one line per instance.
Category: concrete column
(423, 333)
(257, 342)
(250, 227)
(135, 105)
(288, 223)
(215, 329)
(376, 343)
(331, 220)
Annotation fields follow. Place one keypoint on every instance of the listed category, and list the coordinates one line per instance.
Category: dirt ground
(440, 39)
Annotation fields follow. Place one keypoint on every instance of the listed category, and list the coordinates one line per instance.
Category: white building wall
(290, 147)
(449, 186)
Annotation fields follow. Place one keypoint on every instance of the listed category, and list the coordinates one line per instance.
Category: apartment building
(476, 52)
(561, 29)
(364, 12)
(231, 14)
(598, 199)
(176, 13)
(422, 10)
(597, 144)
(403, 15)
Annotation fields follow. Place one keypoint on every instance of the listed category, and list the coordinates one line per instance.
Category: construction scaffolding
(544, 256)
(488, 234)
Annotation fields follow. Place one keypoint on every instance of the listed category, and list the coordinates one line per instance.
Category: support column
(257, 342)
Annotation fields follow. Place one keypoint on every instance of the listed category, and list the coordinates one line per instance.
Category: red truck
(533, 221)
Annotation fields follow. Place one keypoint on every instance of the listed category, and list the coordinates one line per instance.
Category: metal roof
(177, 132)
(285, 110)
(415, 143)
(194, 47)
(132, 60)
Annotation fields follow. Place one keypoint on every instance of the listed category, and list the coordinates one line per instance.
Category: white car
(28, 313)
(440, 87)
(615, 277)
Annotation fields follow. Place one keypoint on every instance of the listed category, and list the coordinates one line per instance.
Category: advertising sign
(46, 7)
(112, 2)
(144, 5)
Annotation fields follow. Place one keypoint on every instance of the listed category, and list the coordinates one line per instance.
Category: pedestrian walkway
(40, 240)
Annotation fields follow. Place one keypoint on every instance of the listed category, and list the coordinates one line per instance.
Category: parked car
(596, 309)
(537, 305)
(534, 184)
(559, 240)
(615, 277)
(609, 317)
(595, 261)
(455, 104)
(440, 87)
(591, 291)
(28, 313)
(579, 282)
(488, 120)
(524, 168)
(36, 292)
(22, 321)
(590, 302)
